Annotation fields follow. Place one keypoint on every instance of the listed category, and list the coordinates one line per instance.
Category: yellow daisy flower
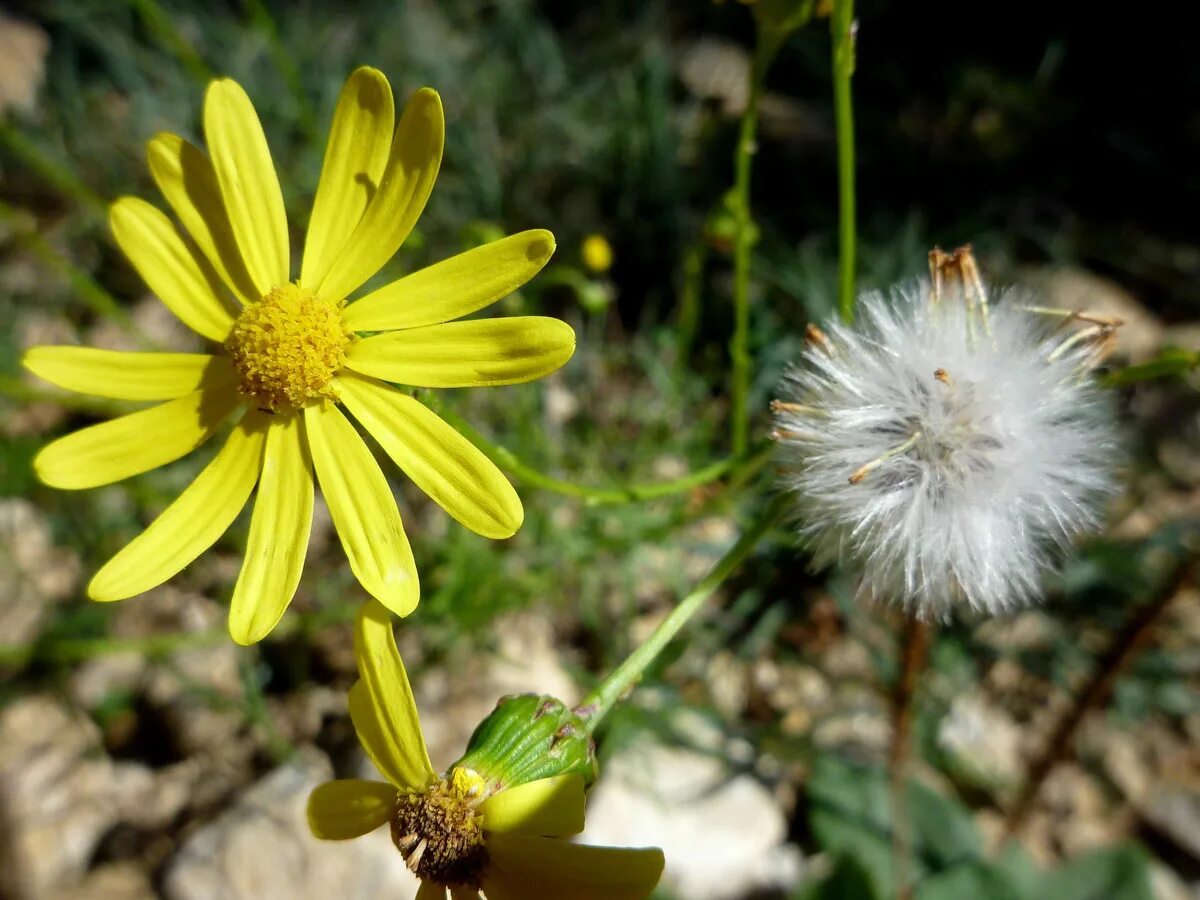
(291, 353)
(458, 832)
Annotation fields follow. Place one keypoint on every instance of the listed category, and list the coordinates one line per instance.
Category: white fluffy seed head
(951, 464)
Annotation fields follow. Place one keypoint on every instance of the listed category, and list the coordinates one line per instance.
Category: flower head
(948, 448)
(288, 355)
(460, 831)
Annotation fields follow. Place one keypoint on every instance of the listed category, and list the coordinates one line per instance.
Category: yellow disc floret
(440, 831)
(287, 347)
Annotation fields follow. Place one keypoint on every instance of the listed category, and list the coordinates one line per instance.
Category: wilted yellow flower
(289, 352)
(458, 832)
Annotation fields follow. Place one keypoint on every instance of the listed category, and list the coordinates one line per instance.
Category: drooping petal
(394, 725)
(430, 891)
(349, 808)
(473, 353)
(192, 523)
(128, 376)
(249, 186)
(454, 287)
(279, 529)
(463, 893)
(549, 806)
(359, 144)
(179, 276)
(522, 866)
(186, 178)
(136, 443)
(363, 509)
(441, 462)
(412, 167)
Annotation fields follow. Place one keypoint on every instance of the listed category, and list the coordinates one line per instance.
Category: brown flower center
(440, 832)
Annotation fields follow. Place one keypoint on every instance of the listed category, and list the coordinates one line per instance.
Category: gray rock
(723, 833)
(261, 849)
(59, 794)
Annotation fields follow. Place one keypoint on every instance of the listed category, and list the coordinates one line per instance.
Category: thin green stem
(54, 173)
(285, 62)
(597, 704)
(622, 493)
(94, 297)
(688, 320)
(841, 25)
(743, 240)
(159, 23)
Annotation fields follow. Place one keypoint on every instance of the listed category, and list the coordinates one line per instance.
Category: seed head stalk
(842, 29)
(743, 240)
(597, 704)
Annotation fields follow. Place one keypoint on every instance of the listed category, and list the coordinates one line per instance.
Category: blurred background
(142, 754)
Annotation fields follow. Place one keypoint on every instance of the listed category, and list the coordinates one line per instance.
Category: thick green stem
(625, 493)
(743, 240)
(841, 25)
(597, 704)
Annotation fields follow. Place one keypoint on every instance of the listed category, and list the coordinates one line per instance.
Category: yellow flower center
(287, 347)
(440, 832)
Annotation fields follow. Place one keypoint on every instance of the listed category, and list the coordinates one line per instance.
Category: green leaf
(1120, 873)
(1172, 362)
(849, 880)
(975, 880)
(943, 829)
(850, 813)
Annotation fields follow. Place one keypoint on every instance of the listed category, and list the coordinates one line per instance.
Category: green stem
(41, 161)
(597, 704)
(623, 493)
(94, 297)
(739, 352)
(158, 22)
(689, 305)
(285, 62)
(841, 25)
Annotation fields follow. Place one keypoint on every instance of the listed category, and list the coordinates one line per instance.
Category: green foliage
(1172, 362)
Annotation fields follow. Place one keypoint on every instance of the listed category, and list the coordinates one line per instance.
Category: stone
(115, 881)
(723, 833)
(982, 740)
(35, 573)
(23, 49)
(59, 795)
(260, 848)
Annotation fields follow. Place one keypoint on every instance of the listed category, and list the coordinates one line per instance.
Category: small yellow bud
(597, 253)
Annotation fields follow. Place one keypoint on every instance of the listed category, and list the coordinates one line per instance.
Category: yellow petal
(390, 719)
(412, 167)
(441, 462)
(430, 891)
(549, 806)
(192, 523)
(182, 278)
(349, 808)
(363, 510)
(279, 529)
(359, 143)
(523, 866)
(187, 180)
(249, 187)
(455, 287)
(138, 442)
(474, 353)
(128, 376)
